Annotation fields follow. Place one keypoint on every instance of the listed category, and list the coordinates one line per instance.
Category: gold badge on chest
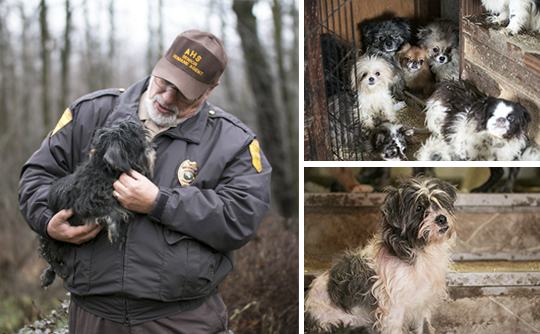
(187, 172)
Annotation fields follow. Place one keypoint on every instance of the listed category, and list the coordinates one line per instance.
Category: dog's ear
(422, 34)
(449, 189)
(403, 24)
(380, 139)
(406, 47)
(391, 209)
(115, 157)
(406, 131)
(394, 226)
(480, 111)
(525, 120)
(146, 161)
(369, 32)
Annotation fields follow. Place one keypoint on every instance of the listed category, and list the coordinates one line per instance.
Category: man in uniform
(208, 195)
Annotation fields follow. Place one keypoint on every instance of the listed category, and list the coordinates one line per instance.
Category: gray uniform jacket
(174, 257)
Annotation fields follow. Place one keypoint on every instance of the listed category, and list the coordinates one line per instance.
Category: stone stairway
(495, 283)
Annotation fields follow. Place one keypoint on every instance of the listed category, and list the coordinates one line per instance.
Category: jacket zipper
(123, 246)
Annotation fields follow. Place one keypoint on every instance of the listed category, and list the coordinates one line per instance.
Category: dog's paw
(496, 19)
(509, 31)
(47, 277)
(62, 271)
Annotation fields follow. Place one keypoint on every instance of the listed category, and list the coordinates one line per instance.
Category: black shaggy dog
(116, 149)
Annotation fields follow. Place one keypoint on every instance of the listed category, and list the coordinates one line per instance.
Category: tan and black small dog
(414, 62)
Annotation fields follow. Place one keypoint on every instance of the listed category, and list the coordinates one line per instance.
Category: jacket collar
(127, 109)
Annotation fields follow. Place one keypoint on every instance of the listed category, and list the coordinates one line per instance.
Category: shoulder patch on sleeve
(65, 119)
(255, 155)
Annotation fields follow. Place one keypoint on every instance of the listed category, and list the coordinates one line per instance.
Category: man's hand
(60, 229)
(136, 192)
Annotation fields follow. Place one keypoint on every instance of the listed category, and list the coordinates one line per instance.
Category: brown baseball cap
(193, 63)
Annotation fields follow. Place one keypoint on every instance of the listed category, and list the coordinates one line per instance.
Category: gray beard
(157, 117)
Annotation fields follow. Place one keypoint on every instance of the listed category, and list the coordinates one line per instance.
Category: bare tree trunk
(45, 60)
(160, 32)
(288, 79)
(112, 64)
(4, 45)
(150, 48)
(92, 54)
(294, 51)
(278, 28)
(65, 56)
(260, 78)
(28, 117)
(218, 7)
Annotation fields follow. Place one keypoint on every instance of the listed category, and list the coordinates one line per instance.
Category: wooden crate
(502, 66)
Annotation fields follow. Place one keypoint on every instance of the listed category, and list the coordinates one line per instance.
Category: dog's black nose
(441, 220)
(442, 58)
(371, 79)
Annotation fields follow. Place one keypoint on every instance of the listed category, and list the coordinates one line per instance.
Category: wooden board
(502, 66)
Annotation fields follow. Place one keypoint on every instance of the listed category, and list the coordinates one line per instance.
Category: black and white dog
(389, 141)
(466, 127)
(393, 284)
(88, 191)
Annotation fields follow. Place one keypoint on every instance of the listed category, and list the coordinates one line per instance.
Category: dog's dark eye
(448, 50)
(418, 208)
(381, 38)
(408, 60)
(421, 61)
(510, 118)
(436, 50)
(364, 75)
(377, 73)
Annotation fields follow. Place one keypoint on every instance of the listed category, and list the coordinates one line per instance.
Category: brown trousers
(208, 318)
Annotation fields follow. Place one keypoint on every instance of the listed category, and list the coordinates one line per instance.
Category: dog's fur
(389, 141)
(474, 128)
(531, 152)
(435, 148)
(372, 78)
(520, 14)
(88, 192)
(384, 39)
(396, 282)
(414, 62)
(441, 39)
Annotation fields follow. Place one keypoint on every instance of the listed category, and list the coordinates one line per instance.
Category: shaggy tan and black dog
(394, 284)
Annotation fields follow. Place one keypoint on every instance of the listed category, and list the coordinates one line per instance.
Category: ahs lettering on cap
(190, 59)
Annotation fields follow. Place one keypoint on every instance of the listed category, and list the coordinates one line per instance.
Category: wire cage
(331, 128)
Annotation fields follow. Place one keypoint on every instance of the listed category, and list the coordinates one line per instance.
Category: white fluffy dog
(372, 77)
(520, 14)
